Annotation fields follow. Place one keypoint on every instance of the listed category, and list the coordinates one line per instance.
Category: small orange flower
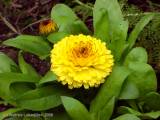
(47, 26)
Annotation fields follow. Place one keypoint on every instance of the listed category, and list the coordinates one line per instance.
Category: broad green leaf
(101, 26)
(75, 109)
(6, 63)
(33, 44)
(127, 117)
(77, 27)
(6, 79)
(129, 90)
(17, 89)
(143, 76)
(49, 77)
(138, 28)
(152, 101)
(137, 54)
(25, 67)
(67, 20)
(118, 40)
(110, 88)
(106, 112)
(43, 98)
(55, 37)
(109, 25)
(152, 115)
(8, 112)
(41, 104)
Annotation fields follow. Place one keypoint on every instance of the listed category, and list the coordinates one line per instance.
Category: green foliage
(67, 20)
(137, 54)
(105, 20)
(42, 98)
(150, 115)
(85, 10)
(55, 37)
(150, 39)
(25, 67)
(6, 64)
(128, 88)
(9, 112)
(138, 28)
(33, 44)
(75, 109)
(49, 77)
(6, 79)
(127, 117)
(110, 88)
(106, 112)
(151, 101)
(143, 76)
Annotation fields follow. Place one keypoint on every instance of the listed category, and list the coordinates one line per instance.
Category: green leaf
(8, 112)
(143, 76)
(6, 63)
(110, 88)
(152, 115)
(101, 26)
(109, 25)
(129, 90)
(67, 20)
(138, 28)
(151, 101)
(17, 89)
(137, 54)
(6, 79)
(107, 111)
(75, 109)
(25, 67)
(119, 39)
(33, 44)
(41, 104)
(77, 27)
(43, 98)
(49, 77)
(127, 117)
(55, 37)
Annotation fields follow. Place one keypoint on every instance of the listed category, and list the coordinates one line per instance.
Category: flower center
(46, 22)
(82, 50)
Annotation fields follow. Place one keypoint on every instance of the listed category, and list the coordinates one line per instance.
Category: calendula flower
(47, 26)
(80, 60)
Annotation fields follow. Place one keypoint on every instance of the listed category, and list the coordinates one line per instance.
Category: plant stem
(82, 4)
(133, 104)
(8, 24)
(140, 14)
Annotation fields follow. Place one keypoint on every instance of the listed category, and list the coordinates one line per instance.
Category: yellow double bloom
(80, 60)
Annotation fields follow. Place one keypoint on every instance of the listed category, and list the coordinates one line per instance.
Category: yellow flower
(80, 60)
(47, 26)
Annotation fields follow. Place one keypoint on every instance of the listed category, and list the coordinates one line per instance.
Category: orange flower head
(47, 26)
